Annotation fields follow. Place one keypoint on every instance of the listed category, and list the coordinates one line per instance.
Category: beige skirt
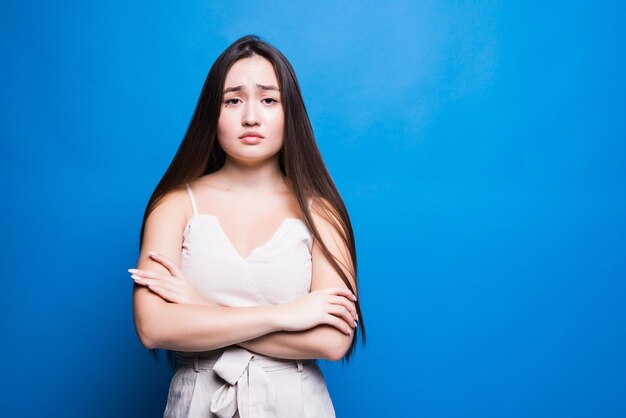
(237, 383)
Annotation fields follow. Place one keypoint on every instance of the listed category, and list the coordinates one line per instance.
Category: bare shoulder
(163, 234)
(163, 231)
(174, 207)
(332, 232)
(327, 219)
(323, 211)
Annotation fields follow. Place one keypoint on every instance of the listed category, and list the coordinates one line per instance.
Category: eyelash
(229, 101)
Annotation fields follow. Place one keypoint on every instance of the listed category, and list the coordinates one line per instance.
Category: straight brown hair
(299, 159)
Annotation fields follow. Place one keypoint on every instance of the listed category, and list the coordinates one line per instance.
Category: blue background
(479, 147)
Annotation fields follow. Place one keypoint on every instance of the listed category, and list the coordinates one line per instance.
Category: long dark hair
(299, 159)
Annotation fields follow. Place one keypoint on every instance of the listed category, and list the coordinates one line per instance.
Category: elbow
(146, 337)
(337, 346)
(148, 314)
(147, 332)
(335, 355)
(147, 340)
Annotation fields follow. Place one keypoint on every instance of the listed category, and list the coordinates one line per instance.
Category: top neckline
(277, 232)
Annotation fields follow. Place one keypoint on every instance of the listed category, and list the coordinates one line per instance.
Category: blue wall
(479, 147)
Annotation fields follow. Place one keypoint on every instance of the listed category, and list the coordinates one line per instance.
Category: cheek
(224, 124)
(279, 124)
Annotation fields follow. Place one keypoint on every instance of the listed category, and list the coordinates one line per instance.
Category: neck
(256, 179)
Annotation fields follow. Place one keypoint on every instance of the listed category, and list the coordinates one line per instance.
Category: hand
(332, 306)
(173, 287)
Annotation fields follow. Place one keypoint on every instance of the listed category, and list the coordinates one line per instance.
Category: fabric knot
(247, 388)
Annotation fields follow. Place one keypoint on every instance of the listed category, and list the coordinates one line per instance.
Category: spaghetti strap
(193, 200)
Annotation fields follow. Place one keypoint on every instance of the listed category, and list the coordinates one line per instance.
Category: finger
(147, 273)
(344, 291)
(139, 281)
(144, 281)
(338, 323)
(168, 285)
(166, 294)
(164, 283)
(341, 291)
(165, 262)
(349, 305)
(343, 313)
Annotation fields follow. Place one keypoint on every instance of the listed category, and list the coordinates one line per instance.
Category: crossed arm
(197, 326)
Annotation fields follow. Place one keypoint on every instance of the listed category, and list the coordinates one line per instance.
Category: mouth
(251, 138)
(251, 135)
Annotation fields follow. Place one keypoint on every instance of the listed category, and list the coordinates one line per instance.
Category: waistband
(205, 360)
(247, 388)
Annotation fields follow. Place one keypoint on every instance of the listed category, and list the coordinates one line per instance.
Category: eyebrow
(261, 86)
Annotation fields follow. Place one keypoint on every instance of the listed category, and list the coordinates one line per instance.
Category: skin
(250, 197)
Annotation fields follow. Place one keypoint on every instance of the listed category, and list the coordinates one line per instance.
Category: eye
(269, 100)
(232, 101)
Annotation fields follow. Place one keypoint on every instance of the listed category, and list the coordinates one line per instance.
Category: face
(251, 123)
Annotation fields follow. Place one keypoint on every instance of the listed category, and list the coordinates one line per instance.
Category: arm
(161, 324)
(314, 343)
(322, 341)
(170, 314)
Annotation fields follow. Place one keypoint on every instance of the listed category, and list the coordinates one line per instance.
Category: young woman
(247, 268)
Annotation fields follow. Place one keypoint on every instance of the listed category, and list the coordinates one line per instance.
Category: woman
(267, 276)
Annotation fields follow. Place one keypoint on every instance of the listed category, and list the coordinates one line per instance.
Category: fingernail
(152, 253)
(135, 277)
(132, 270)
(354, 297)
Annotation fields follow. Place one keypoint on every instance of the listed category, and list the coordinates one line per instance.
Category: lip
(251, 134)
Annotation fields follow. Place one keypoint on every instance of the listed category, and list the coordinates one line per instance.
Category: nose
(250, 115)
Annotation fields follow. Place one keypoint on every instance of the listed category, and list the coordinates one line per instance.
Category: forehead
(251, 71)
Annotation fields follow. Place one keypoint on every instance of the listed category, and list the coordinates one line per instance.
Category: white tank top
(277, 271)
(233, 379)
